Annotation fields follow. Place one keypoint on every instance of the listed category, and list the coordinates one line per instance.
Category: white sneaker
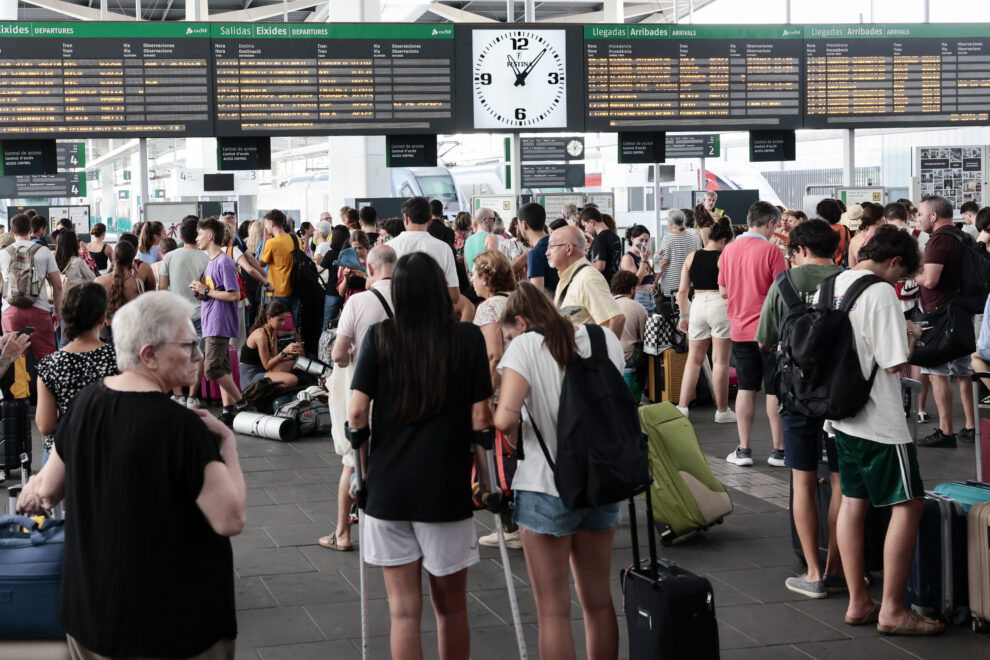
(684, 411)
(192, 402)
(727, 417)
(181, 400)
(512, 540)
(741, 457)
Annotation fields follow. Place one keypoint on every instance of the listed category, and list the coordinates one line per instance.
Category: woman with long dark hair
(555, 539)
(639, 261)
(428, 376)
(70, 264)
(260, 356)
(121, 283)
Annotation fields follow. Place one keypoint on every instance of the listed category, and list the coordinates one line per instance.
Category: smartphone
(25, 331)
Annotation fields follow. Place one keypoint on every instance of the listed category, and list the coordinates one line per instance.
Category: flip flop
(330, 542)
(913, 624)
(869, 617)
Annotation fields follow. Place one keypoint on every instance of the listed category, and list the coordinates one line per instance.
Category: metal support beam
(142, 174)
(458, 15)
(103, 10)
(849, 157)
(614, 11)
(677, 11)
(167, 8)
(529, 11)
(261, 13)
(79, 12)
(604, 16)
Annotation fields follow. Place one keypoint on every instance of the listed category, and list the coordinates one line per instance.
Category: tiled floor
(297, 600)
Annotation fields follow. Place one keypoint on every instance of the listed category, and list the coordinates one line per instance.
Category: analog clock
(519, 78)
(575, 148)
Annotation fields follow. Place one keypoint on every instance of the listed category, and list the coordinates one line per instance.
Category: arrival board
(894, 76)
(682, 77)
(105, 80)
(320, 79)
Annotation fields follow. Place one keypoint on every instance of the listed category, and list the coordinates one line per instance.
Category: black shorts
(754, 365)
(802, 443)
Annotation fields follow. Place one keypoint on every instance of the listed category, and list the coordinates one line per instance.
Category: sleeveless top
(704, 270)
(250, 355)
(101, 259)
(647, 279)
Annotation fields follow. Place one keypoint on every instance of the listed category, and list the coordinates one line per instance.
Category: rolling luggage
(670, 612)
(982, 439)
(664, 374)
(967, 494)
(978, 536)
(937, 584)
(15, 435)
(687, 495)
(209, 390)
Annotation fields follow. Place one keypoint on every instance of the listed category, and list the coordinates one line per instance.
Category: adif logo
(442, 31)
(196, 30)
(788, 33)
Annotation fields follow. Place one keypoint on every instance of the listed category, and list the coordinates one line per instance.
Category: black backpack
(601, 448)
(306, 282)
(818, 371)
(974, 275)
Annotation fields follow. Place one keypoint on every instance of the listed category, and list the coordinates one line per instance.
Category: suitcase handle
(651, 533)
(29, 523)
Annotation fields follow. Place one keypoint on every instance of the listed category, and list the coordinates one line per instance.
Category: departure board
(888, 76)
(683, 77)
(105, 80)
(320, 79)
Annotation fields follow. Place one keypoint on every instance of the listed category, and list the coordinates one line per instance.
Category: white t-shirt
(362, 311)
(526, 356)
(420, 241)
(44, 263)
(322, 249)
(881, 337)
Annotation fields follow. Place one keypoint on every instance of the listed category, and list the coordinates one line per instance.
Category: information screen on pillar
(105, 80)
(897, 76)
(715, 77)
(323, 79)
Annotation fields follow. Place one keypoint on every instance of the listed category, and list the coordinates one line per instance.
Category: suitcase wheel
(979, 625)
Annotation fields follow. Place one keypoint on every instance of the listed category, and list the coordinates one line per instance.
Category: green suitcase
(687, 496)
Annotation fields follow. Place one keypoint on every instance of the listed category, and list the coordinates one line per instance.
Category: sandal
(330, 542)
(869, 617)
(913, 624)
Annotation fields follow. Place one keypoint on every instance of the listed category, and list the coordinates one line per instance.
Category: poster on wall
(956, 173)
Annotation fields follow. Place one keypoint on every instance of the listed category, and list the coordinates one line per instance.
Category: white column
(529, 11)
(849, 157)
(614, 11)
(8, 10)
(197, 11)
(141, 171)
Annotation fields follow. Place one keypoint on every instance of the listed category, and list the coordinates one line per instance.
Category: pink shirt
(746, 270)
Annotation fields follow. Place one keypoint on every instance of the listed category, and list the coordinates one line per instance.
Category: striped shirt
(675, 250)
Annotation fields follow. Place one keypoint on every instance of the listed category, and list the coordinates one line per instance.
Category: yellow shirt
(277, 254)
(589, 291)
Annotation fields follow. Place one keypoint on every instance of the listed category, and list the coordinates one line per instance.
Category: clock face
(519, 78)
(575, 148)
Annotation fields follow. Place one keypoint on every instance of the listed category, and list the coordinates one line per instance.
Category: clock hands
(521, 77)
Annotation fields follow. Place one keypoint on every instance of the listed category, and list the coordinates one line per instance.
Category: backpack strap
(381, 299)
(788, 292)
(596, 337)
(855, 289)
(563, 294)
(826, 292)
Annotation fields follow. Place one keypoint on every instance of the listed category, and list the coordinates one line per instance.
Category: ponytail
(123, 259)
(532, 304)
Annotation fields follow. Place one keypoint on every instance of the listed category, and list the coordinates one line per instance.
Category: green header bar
(908, 30)
(679, 32)
(106, 30)
(331, 31)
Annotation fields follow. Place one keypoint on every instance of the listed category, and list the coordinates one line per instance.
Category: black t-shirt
(608, 248)
(327, 264)
(144, 573)
(372, 237)
(437, 229)
(422, 472)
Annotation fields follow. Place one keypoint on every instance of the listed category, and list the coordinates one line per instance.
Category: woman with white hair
(675, 247)
(125, 450)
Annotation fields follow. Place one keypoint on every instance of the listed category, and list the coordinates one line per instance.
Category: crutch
(491, 497)
(978, 436)
(357, 438)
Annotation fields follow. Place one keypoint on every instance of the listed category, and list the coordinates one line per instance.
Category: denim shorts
(546, 514)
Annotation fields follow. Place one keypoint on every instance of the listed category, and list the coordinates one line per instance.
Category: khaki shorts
(217, 364)
(709, 316)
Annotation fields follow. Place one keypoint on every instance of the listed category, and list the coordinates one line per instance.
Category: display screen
(105, 80)
(885, 76)
(313, 79)
(681, 77)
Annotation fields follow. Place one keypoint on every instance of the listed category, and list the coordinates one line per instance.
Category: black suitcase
(670, 612)
(15, 435)
(938, 582)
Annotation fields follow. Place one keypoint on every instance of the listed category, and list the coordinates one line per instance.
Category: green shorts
(885, 474)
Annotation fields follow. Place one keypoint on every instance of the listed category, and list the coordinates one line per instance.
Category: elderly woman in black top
(156, 489)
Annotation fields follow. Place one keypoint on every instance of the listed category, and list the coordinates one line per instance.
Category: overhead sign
(244, 153)
(411, 151)
(19, 157)
(551, 148)
(552, 175)
(43, 186)
(190, 182)
(771, 146)
(71, 156)
(703, 145)
(639, 148)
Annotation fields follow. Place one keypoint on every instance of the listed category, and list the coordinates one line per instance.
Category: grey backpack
(312, 417)
(21, 287)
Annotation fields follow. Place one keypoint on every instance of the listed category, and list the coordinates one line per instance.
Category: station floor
(297, 600)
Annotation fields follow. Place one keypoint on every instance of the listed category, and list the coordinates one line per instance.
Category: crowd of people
(448, 336)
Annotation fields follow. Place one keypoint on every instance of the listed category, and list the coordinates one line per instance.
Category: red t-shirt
(746, 270)
(947, 251)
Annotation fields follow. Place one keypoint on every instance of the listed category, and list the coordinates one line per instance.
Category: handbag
(949, 335)
(662, 332)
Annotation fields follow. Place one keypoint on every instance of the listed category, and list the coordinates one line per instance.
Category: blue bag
(967, 494)
(30, 577)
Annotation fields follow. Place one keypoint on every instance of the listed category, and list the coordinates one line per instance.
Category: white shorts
(709, 317)
(445, 547)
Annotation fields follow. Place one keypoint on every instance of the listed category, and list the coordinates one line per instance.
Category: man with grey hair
(709, 203)
(747, 268)
(362, 311)
(482, 239)
(581, 285)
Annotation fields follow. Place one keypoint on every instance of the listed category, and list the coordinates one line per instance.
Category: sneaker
(967, 435)
(938, 439)
(512, 540)
(923, 417)
(741, 457)
(684, 411)
(181, 400)
(801, 585)
(192, 402)
(985, 402)
(227, 416)
(727, 417)
(241, 405)
(776, 458)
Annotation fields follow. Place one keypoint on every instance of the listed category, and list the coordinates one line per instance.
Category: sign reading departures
(80, 80)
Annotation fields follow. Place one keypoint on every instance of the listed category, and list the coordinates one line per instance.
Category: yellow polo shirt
(277, 254)
(587, 289)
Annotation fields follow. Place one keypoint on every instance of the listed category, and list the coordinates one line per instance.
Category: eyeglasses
(192, 345)
(553, 245)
